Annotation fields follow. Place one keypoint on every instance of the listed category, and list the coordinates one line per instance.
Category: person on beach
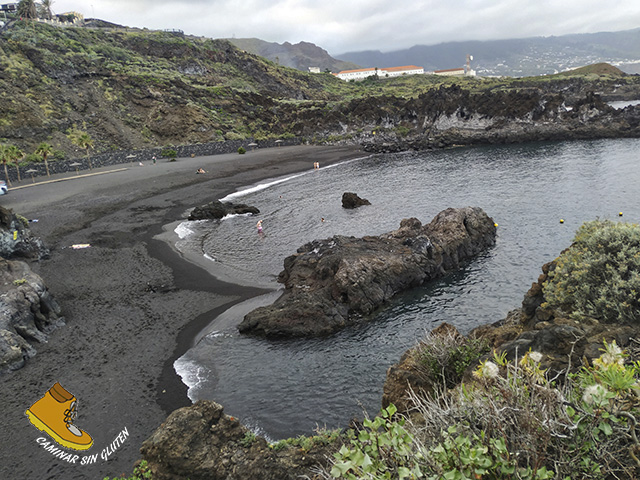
(200, 170)
(154, 159)
(259, 226)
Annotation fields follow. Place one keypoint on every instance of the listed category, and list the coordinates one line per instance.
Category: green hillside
(596, 69)
(132, 88)
(137, 88)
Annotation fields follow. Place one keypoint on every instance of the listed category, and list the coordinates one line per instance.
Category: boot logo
(54, 414)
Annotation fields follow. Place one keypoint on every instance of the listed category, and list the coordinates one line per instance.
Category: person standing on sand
(259, 226)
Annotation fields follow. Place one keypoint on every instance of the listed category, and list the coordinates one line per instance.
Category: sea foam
(183, 231)
(192, 374)
(262, 186)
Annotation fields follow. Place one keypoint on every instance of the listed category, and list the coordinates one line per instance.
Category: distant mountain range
(516, 57)
(300, 56)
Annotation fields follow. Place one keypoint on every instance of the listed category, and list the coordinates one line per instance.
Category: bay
(289, 387)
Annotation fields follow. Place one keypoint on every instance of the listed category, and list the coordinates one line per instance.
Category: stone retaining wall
(129, 156)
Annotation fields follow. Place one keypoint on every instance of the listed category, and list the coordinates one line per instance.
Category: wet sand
(132, 304)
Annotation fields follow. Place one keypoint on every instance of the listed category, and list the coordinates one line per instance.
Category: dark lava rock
(563, 341)
(334, 282)
(566, 344)
(28, 313)
(352, 200)
(217, 210)
(16, 240)
(201, 442)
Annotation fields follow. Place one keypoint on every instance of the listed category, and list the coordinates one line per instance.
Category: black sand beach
(132, 305)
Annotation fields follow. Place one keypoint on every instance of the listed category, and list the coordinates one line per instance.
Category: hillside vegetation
(596, 69)
(137, 88)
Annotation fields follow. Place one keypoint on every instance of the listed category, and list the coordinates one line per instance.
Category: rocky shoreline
(201, 442)
(131, 304)
(452, 116)
(142, 299)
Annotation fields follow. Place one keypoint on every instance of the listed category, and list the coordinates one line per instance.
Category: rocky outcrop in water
(201, 442)
(335, 282)
(218, 209)
(352, 200)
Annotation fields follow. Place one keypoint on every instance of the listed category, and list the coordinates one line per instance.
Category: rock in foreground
(334, 282)
(201, 442)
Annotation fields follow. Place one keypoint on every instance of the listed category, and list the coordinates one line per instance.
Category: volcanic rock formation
(335, 282)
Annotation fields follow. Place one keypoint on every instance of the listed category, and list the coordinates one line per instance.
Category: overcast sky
(341, 26)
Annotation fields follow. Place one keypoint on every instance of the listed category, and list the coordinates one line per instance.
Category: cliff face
(337, 281)
(454, 116)
(131, 88)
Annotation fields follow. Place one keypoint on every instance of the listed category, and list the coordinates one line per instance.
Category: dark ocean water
(286, 388)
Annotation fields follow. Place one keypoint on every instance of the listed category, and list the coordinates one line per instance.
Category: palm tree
(44, 149)
(4, 158)
(15, 155)
(45, 9)
(27, 9)
(83, 140)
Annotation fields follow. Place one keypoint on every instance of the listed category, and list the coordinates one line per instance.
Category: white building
(363, 73)
(406, 70)
(450, 71)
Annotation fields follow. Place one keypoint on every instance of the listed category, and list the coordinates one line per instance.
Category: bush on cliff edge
(599, 275)
(511, 423)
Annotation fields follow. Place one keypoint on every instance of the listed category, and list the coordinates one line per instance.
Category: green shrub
(140, 472)
(23, 221)
(402, 130)
(234, 136)
(306, 443)
(33, 158)
(599, 275)
(510, 423)
(169, 153)
(241, 150)
(248, 439)
(443, 358)
(382, 449)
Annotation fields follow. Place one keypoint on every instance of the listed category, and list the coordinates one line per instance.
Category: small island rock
(352, 200)
(218, 209)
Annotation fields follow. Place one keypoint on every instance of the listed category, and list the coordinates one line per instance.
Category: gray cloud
(350, 25)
